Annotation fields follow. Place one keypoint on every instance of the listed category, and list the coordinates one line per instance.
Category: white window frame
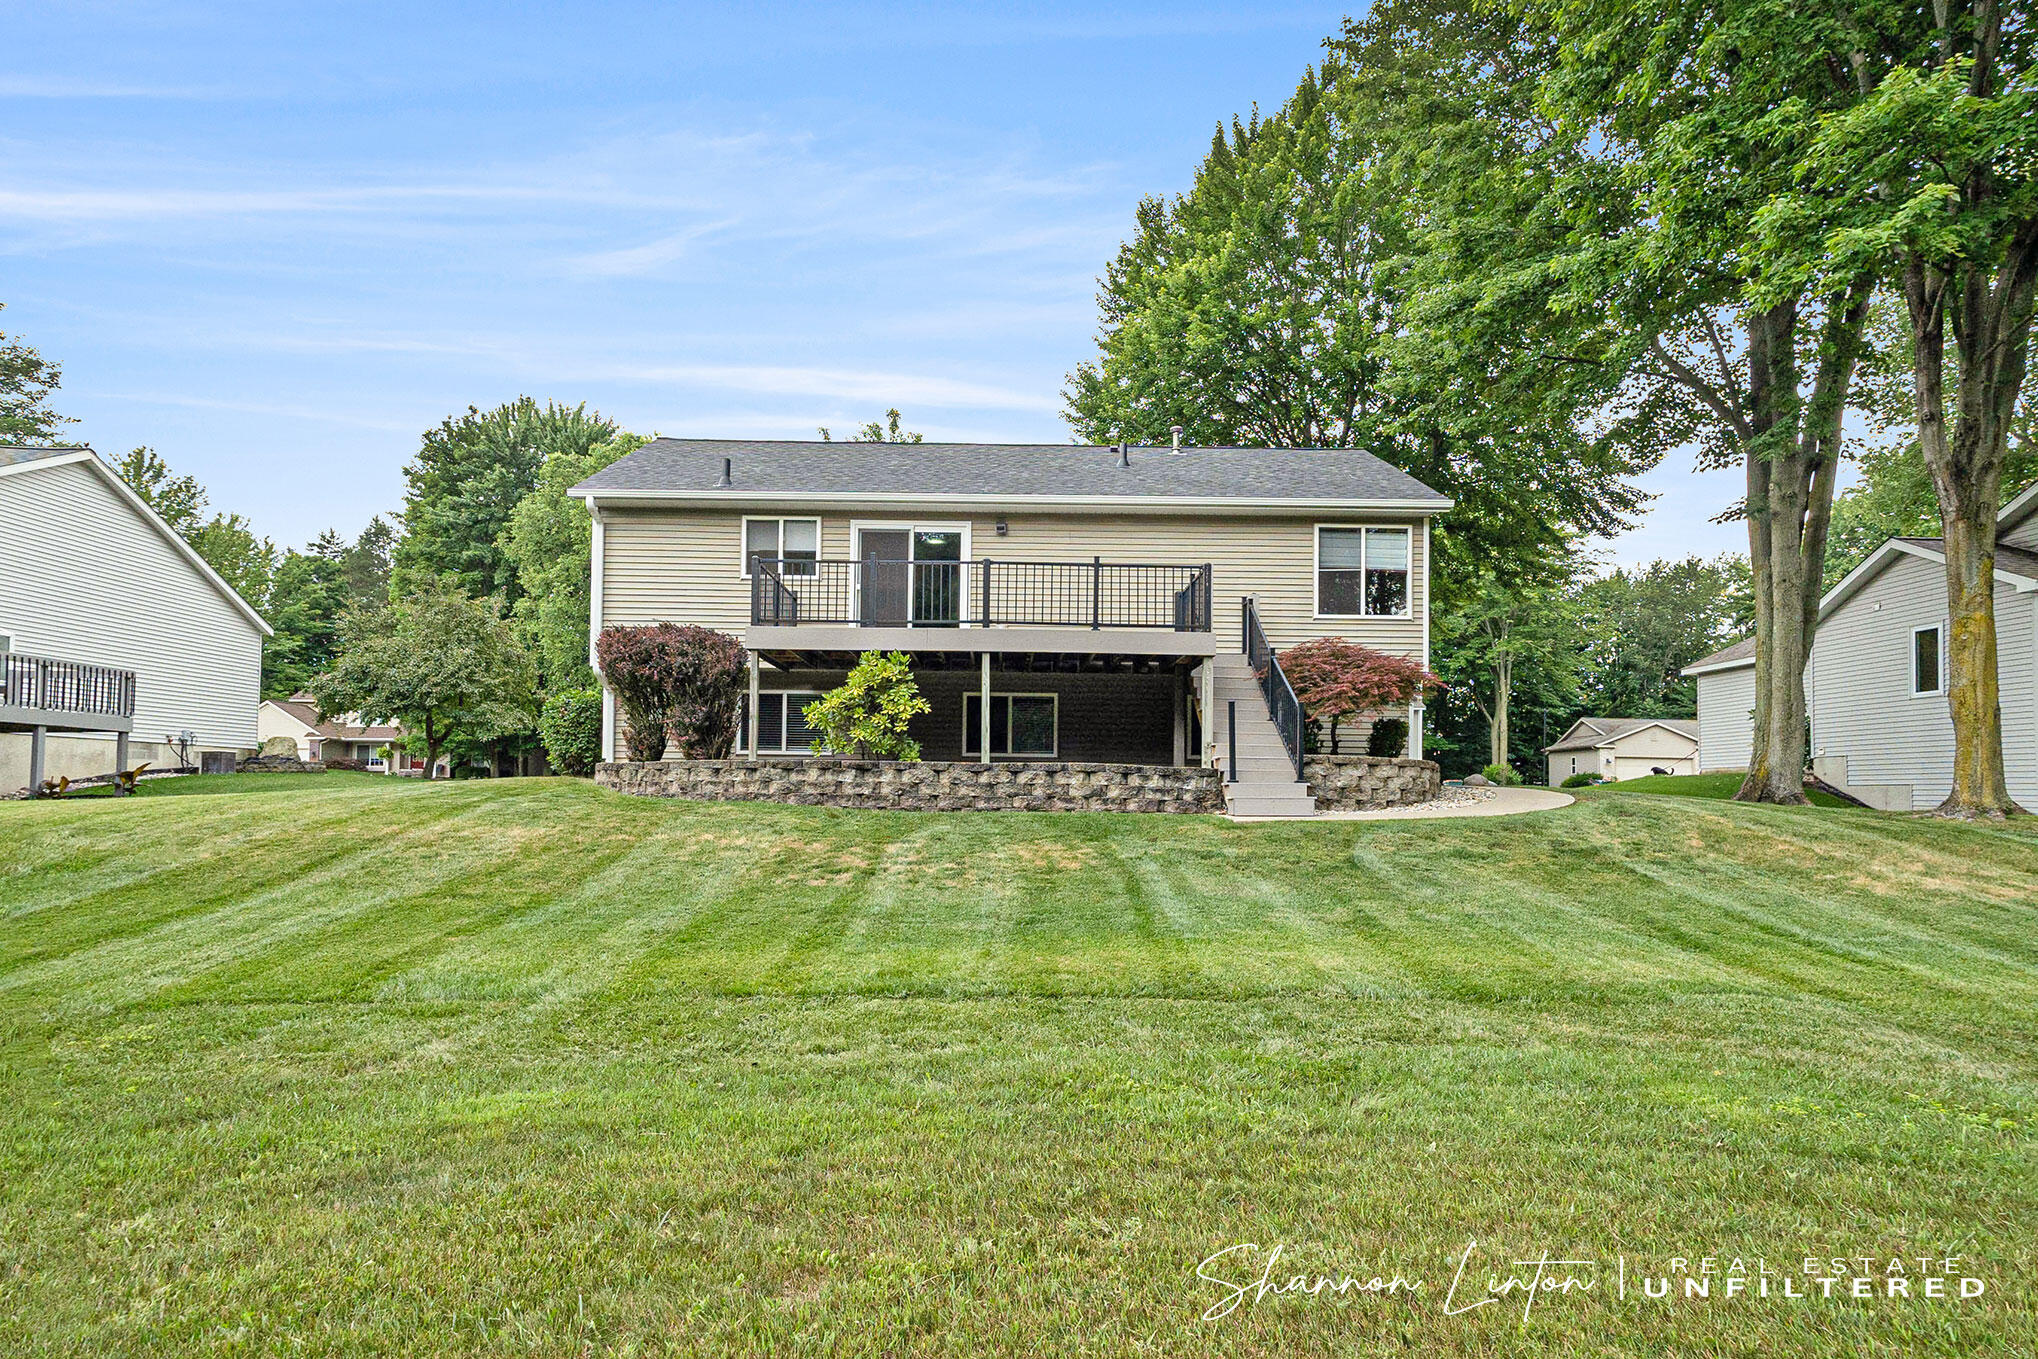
(1365, 530)
(1916, 692)
(909, 526)
(787, 696)
(743, 536)
(972, 732)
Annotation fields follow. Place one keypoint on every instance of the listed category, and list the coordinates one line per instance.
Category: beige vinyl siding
(686, 565)
(84, 577)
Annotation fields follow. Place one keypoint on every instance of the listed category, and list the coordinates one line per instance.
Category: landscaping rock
(928, 786)
(1365, 783)
(1477, 781)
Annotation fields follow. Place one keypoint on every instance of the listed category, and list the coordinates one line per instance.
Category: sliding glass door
(912, 576)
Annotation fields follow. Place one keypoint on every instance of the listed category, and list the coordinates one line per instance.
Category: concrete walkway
(1482, 802)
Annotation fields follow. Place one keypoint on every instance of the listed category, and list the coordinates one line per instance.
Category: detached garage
(1624, 748)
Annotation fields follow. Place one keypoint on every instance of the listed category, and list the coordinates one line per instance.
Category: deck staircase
(1266, 783)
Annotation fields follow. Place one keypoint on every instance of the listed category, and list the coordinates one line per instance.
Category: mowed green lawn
(369, 1067)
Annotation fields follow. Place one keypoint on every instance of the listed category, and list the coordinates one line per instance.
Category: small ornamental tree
(675, 683)
(442, 663)
(1336, 679)
(869, 714)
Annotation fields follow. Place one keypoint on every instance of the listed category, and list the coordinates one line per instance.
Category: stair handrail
(1282, 705)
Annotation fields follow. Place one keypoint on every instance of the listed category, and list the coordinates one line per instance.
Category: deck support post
(1180, 696)
(750, 745)
(120, 752)
(1415, 730)
(984, 714)
(36, 739)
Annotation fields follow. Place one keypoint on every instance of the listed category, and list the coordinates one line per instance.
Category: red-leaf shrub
(1337, 679)
(677, 683)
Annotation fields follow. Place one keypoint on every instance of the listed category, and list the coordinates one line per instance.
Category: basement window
(1021, 725)
(781, 728)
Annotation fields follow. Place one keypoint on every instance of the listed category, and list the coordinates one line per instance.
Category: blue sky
(277, 243)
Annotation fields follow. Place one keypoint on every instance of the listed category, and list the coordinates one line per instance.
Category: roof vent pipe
(1125, 455)
(726, 480)
(1176, 430)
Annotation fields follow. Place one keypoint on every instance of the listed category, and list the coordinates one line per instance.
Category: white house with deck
(1876, 685)
(118, 644)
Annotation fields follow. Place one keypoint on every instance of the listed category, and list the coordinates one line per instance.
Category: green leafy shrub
(869, 714)
(570, 726)
(1584, 780)
(1389, 738)
(677, 683)
(1502, 774)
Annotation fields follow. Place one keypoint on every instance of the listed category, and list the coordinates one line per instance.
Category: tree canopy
(27, 380)
(437, 660)
(466, 482)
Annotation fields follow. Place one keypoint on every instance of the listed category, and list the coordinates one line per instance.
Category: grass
(1722, 786)
(190, 785)
(521, 1067)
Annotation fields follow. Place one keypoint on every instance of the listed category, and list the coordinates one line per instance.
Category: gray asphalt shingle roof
(765, 467)
(1743, 650)
(11, 454)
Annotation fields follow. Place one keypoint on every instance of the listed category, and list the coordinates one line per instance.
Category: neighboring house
(1624, 748)
(1059, 602)
(122, 646)
(1876, 685)
(346, 737)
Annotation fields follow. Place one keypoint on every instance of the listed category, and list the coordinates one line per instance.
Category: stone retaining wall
(1360, 783)
(929, 786)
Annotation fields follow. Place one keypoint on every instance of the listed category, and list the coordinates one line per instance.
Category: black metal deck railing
(1282, 705)
(1095, 594)
(42, 684)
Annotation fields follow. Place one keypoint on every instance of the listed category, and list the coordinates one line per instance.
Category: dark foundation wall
(1101, 719)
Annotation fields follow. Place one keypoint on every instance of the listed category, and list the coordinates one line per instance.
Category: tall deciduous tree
(1270, 305)
(891, 430)
(1641, 626)
(468, 479)
(227, 542)
(549, 540)
(26, 381)
(1682, 125)
(438, 661)
(1931, 177)
(1501, 634)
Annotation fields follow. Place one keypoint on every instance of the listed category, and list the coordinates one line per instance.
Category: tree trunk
(1503, 687)
(1992, 329)
(1793, 453)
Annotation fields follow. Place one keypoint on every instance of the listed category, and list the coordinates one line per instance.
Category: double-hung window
(1362, 572)
(1928, 661)
(781, 730)
(1021, 725)
(796, 543)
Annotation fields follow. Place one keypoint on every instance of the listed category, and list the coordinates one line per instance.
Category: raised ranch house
(1624, 748)
(1064, 607)
(1875, 687)
(118, 644)
(345, 737)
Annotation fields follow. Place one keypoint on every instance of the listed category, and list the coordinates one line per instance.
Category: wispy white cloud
(895, 388)
(651, 255)
(312, 414)
(59, 87)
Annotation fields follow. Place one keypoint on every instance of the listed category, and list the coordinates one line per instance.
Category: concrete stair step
(1272, 806)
